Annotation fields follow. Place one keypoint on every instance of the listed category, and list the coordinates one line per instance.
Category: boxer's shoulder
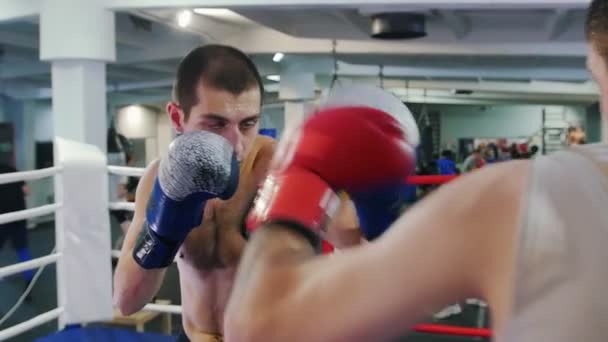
(145, 185)
(263, 147)
(259, 157)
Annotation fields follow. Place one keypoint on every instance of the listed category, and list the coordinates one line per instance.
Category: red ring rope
(452, 330)
(429, 180)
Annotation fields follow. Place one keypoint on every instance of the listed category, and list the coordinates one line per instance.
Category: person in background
(119, 154)
(515, 153)
(473, 161)
(12, 199)
(576, 136)
(492, 154)
(446, 164)
(532, 152)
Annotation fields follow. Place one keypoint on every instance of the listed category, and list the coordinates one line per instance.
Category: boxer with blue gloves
(200, 166)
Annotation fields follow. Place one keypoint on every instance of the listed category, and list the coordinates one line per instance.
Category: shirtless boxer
(219, 90)
(531, 242)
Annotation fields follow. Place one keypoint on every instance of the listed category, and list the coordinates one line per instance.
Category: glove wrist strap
(152, 251)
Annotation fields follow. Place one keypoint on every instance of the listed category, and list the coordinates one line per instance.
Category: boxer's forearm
(134, 286)
(343, 230)
(267, 274)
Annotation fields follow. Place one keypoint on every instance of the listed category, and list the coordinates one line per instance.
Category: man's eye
(217, 125)
(249, 123)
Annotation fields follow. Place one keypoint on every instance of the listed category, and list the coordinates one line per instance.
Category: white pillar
(78, 37)
(298, 90)
(79, 101)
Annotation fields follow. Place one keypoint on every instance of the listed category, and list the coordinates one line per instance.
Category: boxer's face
(597, 66)
(235, 117)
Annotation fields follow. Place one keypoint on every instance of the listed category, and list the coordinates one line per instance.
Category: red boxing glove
(342, 148)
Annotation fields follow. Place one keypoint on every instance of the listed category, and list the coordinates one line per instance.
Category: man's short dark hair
(218, 66)
(597, 19)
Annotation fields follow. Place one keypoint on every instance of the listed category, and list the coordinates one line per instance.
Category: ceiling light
(214, 12)
(275, 78)
(184, 18)
(278, 57)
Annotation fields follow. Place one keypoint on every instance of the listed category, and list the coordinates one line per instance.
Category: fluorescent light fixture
(214, 12)
(184, 18)
(224, 14)
(275, 78)
(134, 117)
(278, 57)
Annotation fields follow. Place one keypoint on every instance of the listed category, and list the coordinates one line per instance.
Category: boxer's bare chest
(218, 242)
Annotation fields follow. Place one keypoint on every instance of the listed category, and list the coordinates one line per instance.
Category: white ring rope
(29, 213)
(164, 308)
(130, 206)
(126, 171)
(29, 175)
(30, 324)
(28, 265)
(115, 254)
(29, 287)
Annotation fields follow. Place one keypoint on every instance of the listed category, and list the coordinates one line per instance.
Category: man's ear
(176, 115)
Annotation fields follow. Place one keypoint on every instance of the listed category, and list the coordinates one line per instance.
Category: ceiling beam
(505, 73)
(535, 87)
(18, 56)
(319, 4)
(558, 23)
(22, 40)
(19, 9)
(324, 65)
(208, 28)
(156, 67)
(351, 17)
(172, 49)
(460, 25)
(266, 41)
(10, 71)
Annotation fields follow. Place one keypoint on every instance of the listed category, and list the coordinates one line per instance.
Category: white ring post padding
(82, 233)
(130, 206)
(30, 324)
(30, 264)
(164, 308)
(126, 171)
(29, 213)
(29, 175)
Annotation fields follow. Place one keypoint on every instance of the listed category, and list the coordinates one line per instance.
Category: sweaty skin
(374, 292)
(208, 258)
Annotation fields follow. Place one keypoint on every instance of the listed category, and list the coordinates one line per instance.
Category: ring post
(82, 234)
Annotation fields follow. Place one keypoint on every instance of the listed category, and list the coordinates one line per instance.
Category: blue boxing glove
(199, 166)
(377, 209)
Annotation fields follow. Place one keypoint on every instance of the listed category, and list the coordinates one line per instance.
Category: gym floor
(44, 295)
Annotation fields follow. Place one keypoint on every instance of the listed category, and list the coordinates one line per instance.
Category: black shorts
(121, 215)
(182, 337)
(16, 232)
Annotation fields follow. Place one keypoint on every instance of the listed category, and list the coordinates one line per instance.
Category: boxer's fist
(378, 207)
(355, 149)
(199, 166)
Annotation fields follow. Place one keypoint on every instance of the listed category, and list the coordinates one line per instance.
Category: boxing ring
(83, 244)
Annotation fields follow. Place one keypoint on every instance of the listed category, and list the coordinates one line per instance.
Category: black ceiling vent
(398, 26)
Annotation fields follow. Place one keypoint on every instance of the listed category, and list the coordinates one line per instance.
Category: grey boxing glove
(199, 166)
